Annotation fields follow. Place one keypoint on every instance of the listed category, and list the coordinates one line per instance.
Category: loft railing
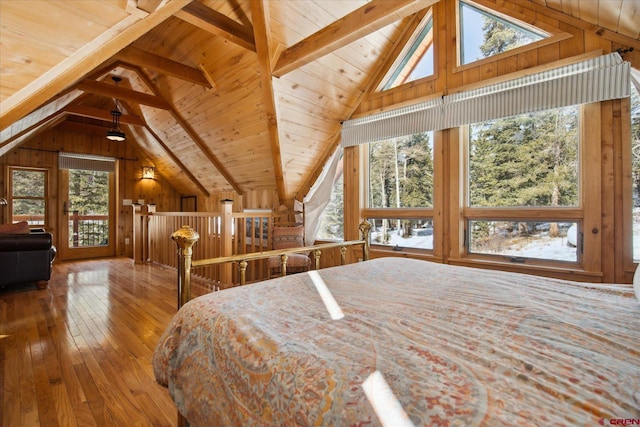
(222, 233)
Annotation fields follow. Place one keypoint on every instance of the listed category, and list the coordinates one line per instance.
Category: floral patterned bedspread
(453, 346)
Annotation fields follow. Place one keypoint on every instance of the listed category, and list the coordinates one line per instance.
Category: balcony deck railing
(88, 230)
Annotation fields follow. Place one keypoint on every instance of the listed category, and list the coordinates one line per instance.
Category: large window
(400, 192)
(522, 171)
(28, 195)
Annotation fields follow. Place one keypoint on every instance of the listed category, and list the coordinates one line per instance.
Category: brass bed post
(185, 238)
(365, 229)
(243, 272)
(316, 257)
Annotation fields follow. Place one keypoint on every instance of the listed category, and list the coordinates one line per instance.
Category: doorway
(87, 197)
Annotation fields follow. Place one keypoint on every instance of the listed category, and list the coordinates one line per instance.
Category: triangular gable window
(484, 34)
(416, 59)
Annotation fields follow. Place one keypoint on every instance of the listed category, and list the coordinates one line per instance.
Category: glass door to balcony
(87, 228)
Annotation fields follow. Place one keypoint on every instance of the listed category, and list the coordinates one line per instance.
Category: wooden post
(138, 235)
(226, 243)
(185, 238)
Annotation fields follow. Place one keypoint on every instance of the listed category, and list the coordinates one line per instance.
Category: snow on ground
(543, 247)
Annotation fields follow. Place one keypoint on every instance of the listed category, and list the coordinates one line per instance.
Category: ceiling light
(115, 134)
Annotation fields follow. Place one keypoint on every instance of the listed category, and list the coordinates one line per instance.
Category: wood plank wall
(42, 152)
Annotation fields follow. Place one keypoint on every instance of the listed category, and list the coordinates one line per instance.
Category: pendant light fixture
(115, 134)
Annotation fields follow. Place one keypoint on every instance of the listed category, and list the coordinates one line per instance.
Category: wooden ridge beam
(113, 91)
(260, 14)
(218, 24)
(97, 113)
(356, 25)
(163, 65)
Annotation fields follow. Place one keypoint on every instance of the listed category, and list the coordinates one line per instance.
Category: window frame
(588, 195)
(394, 213)
(536, 25)
(12, 197)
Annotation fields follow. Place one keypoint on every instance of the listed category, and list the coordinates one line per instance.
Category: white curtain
(318, 198)
(635, 79)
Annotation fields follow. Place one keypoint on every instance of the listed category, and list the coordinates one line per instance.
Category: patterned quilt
(396, 342)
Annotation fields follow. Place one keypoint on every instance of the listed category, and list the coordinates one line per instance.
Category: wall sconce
(148, 172)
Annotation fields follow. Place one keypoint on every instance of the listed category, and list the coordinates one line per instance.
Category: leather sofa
(26, 258)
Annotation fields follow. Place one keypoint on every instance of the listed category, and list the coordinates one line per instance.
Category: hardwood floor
(79, 352)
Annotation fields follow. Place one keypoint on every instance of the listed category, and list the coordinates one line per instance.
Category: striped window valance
(86, 162)
(390, 124)
(597, 79)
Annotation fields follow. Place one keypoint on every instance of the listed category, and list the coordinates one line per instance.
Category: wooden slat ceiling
(221, 95)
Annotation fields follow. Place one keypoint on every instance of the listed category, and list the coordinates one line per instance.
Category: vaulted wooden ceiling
(220, 94)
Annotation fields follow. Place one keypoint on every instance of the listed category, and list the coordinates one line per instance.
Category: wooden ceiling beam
(39, 116)
(356, 25)
(79, 127)
(194, 136)
(148, 5)
(178, 162)
(113, 91)
(218, 24)
(97, 113)
(17, 140)
(67, 72)
(370, 86)
(163, 65)
(260, 14)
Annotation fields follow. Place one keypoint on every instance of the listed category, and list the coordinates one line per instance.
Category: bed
(396, 341)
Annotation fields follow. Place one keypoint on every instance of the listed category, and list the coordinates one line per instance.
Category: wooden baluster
(185, 238)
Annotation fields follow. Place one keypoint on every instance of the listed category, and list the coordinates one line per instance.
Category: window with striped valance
(86, 162)
(597, 79)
